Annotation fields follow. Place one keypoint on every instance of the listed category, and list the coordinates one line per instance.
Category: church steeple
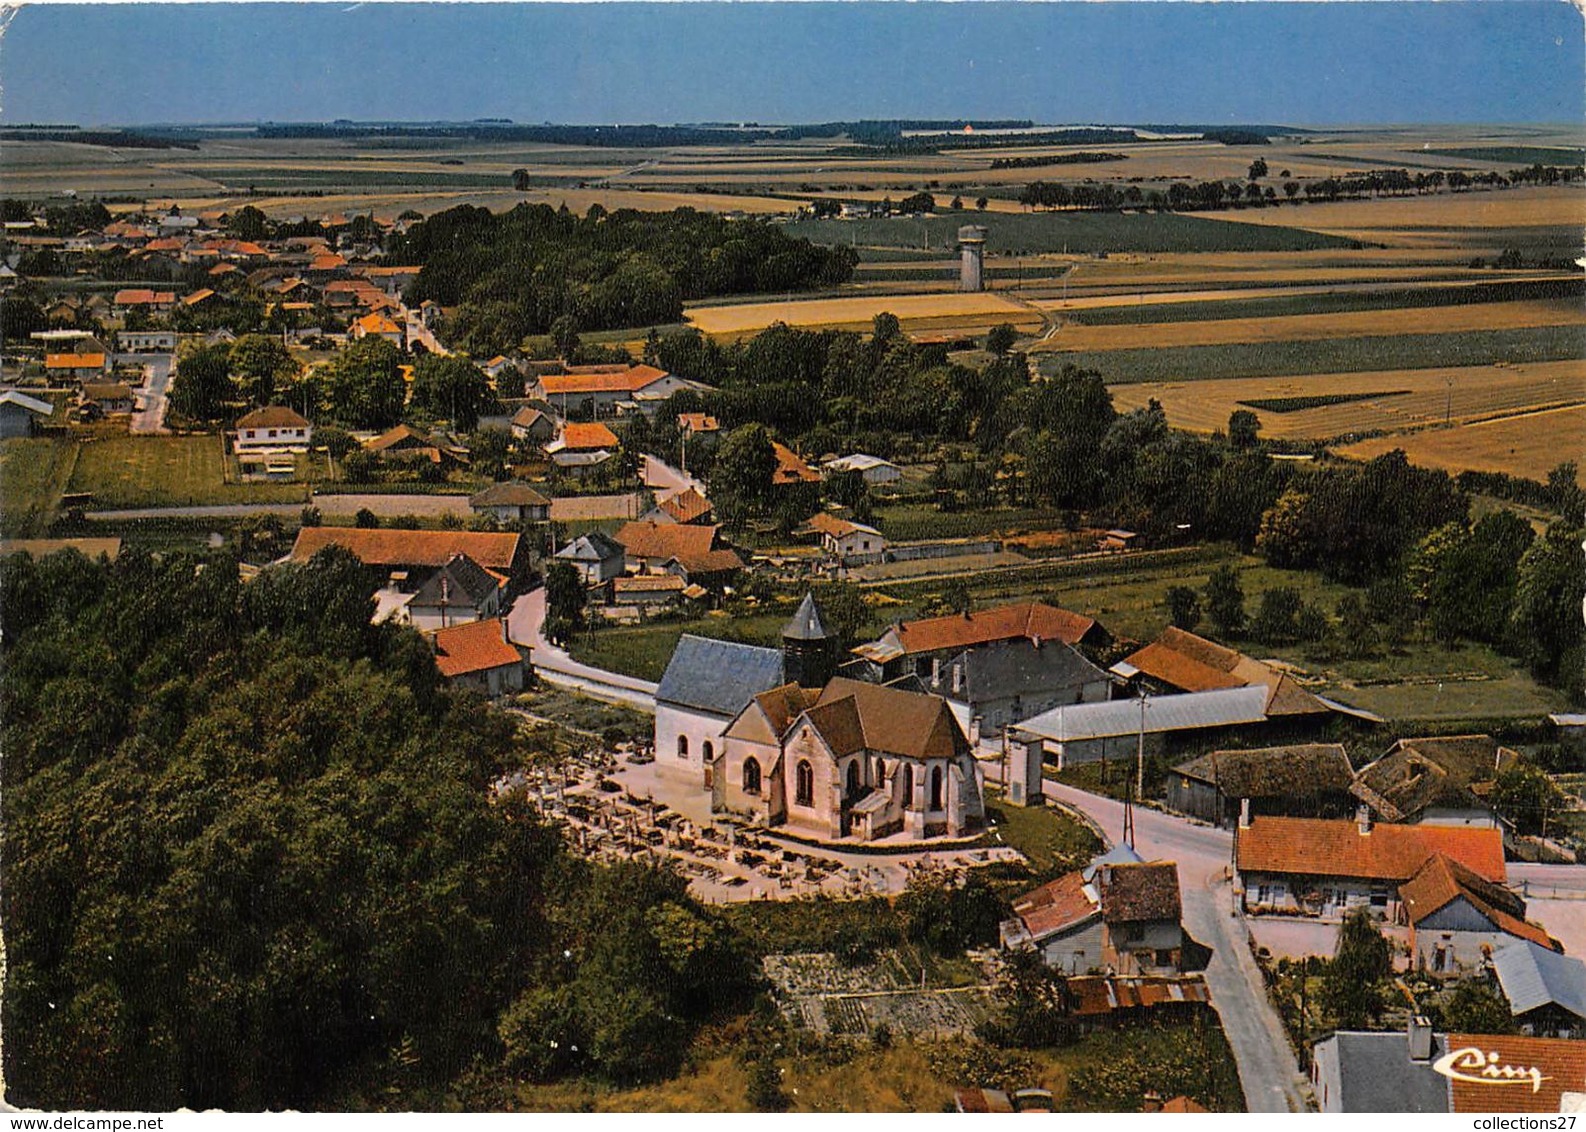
(807, 649)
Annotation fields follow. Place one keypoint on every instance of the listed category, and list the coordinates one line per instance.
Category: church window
(804, 784)
(881, 772)
(682, 746)
(853, 779)
(751, 776)
(908, 785)
(936, 788)
(709, 751)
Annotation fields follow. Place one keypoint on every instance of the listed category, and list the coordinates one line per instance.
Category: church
(782, 742)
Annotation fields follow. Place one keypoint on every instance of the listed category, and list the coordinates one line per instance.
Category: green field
(33, 474)
(1282, 405)
(166, 471)
(1078, 232)
(1515, 154)
(1278, 306)
(1336, 355)
(643, 651)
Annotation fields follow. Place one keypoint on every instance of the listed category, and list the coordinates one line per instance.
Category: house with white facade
(274, 427)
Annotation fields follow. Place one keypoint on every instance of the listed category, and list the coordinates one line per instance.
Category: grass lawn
(1032, 233)
(905, 522)
(644, 651)
(33, 474)
(1054, 842)
(167, 471)
(1333, 355)
(584, 713)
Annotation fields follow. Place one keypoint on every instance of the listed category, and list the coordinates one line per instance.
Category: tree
(1475, 1007)
(248, 223)
(741, 477)
(1545, 625)
(1363, 959)
(451, 386)
(1277, 617)
(490, 449)
(564, 332)
(1244, 428)
(201, 386)
(261, 364)
(1529, 798)
(1356, 635)
(363, 384)
(981, 203)
(843, 612)
(1225, 601)
(1184, 608)
(564, 602)
(337, 441)
(365, 519)
(1000, 338)
(1258, 169)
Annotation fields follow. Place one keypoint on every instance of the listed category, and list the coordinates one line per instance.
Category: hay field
(1460, 393)
(1317, 327)
(1556, 207)
(954, 309)
(1528, 445)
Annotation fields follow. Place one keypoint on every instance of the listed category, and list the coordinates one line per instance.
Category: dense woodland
(518, 273)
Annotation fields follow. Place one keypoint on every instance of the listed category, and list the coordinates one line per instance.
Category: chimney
(1152, 1101)
(1420, 1032)
(1363, 820)
(1244, 813)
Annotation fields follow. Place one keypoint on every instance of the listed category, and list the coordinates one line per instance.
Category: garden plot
(818, 992)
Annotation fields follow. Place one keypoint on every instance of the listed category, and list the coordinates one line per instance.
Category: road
(150, 414)
(1268, 1070)
(385, 505)
(555, 666)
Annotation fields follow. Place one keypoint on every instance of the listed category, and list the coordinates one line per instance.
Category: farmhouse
(107, 396)
(1308, 780)
(687, 506)
(378, 326)
(76, 367)
(416, 551)
(511, 503)
(596, 556)
(598, 391)
(843, 538)
(274, 427)
(695, 553)
(588, 437)
(1118, 915)
(529, 423)
(406, 445)
(21, 415)
(850, 760)
(457, 592)
(1178, 661)
(916, 646)
(1315, 867)
(479, 656)
(1456, 918)
(1442, 781)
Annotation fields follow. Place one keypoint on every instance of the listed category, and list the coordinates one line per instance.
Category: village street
(150, 416)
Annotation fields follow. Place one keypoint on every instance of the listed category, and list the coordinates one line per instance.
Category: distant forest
(525, 271)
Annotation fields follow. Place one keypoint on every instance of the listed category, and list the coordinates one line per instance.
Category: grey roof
(1120, 854)
(1022, 667)
(1533, 976)
(806, 623)
(22, 400)
(596, 546)
(1220, 708)
(1375, 1074)
(718, 676)
(460, 581)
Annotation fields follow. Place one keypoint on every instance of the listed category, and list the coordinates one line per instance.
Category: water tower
(972, 256)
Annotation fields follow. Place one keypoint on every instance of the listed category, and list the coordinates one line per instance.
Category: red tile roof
(475, 647)
(660, 541)
(1513, 1074)
(1319, 847)
(74, 361)
(790, 467)
(1031, 620)
(1442, 880)
(623, 381)
(272, 416)
(686, 506)
(589, 437)
(385, 547)
(1056, 905)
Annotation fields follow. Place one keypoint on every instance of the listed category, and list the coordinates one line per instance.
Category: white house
(274, 427)
(872, 469)
(146, 341)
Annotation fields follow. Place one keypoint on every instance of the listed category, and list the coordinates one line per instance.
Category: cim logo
(1472, 1065)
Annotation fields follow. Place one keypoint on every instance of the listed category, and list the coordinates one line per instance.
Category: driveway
(150, 414)
(1267, 1065)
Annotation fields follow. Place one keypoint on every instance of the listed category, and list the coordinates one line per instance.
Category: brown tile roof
(790, 467)
(1417, 773)
(1056, 905)
(623, 381)
(890, 721)
(527, 417)
(1318, 847)
(1132, 893)
(135, 296)
(272, 416)
(590, 437)
(661, 541)
(648, 583)
(686, 506)
(402, 436)
(1442, 880)
(712, 561)
(197, 297)
(1102, 994)
(508, 495)
(475, 647)
(1194, 664)
(782, 705)
(327, 262)
(107, 391)
(377, 324)
(698, 422)
(1274, 772)
(1030, 620)
(74, 361)
(385, 547)
(1559, 1066)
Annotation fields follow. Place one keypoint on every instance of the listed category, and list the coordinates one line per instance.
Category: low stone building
(1457, 918)
(1308, 780)
(479, 656)
(511, 503)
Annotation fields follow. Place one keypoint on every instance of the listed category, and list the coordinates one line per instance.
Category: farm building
(1089, 732)
(416, 551)
(999, 684)
(21, 415)
(844, 539)
(1440, 781)
(647, 590)
(511, 503)
(1309, 780)
(1457, 918)
(604, 391)
(457, 592)
(1546, 990)
(872, 469)
(479, 656)
(529, 423)
(695, 553)
(1320, 868)
(916, 646)
(1178, 661)
(76, 367)
(107, 396)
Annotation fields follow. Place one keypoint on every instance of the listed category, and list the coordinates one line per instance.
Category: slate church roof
(718, 676)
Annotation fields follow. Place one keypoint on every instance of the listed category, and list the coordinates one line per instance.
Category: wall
(671, 721)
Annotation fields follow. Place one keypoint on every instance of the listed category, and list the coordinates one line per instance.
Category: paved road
(150, 414)
(555, 666)
(386, 505)
(1268, 1070)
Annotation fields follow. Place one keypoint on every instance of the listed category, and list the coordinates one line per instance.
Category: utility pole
(1139, 772)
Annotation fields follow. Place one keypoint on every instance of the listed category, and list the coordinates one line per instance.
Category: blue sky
(1294, 63)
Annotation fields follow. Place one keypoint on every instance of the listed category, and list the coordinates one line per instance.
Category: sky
(1340, 63)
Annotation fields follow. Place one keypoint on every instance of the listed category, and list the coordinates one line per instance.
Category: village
(883, 688)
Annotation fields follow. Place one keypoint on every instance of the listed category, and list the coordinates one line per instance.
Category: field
(1528, 444)
(33, 474)
(1433, 396)
(950, 309)
(166, 471)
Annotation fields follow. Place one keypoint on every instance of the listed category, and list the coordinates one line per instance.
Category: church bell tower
(808, 653)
